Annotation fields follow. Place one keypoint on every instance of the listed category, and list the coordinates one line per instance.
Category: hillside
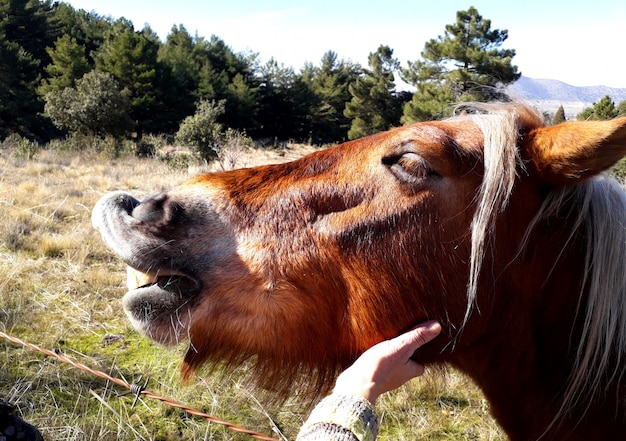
(548, 95)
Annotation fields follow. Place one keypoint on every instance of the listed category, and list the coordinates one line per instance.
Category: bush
(95, 106)
(22, 147)
(145, 149)
(230, 146)
(27, 149)
(109, 146)
(619, 169)
(74, 142)
(201, 130)
(180, 161)
(12, 141)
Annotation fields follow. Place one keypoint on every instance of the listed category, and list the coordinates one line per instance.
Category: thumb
(410, 341)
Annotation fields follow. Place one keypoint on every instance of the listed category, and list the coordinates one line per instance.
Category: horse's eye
(410, 167)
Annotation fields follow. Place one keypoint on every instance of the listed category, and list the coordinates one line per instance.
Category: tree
(619, 169)
(87, 28)
(602, 110)
(465, 64)
(374, 107)
(430, 101)
(27, 23)
(208, 70)
(95, 106)
(285, 101)
(559, 116)
(330, 82)
(25, 32)
(131, 57)
(18, 102)
(217, 64)
(218, 67)
(68, 64)
(241, 104)
(180, 88)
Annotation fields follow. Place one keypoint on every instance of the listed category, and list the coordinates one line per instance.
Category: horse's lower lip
(161, 307)
(165, 295)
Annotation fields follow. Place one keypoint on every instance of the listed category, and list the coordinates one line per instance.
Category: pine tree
(602, 110)
(430, 101)
(18, 101)
(285, 103)
(68, 64)
(241, 104)
(131, 57)
(559, 116)
(465, 64)
(218, 66)
(87, 28)
(27, 23)
(181, 89)
(25, 32)
(330, 82)
(374, 107)
(605, 109)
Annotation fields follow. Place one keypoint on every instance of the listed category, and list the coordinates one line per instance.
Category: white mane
(598, 209)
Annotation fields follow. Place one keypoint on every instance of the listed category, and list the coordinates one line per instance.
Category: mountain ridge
(547, 95)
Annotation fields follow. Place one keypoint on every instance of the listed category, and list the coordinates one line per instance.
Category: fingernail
(433, 326)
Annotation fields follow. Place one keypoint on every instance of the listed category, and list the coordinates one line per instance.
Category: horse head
(301, 266)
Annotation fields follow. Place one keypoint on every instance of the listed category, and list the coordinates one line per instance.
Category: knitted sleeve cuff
(341, 418)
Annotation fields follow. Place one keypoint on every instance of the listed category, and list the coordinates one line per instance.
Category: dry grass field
(60, 288)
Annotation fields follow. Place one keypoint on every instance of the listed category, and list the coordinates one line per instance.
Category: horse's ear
(575, 150)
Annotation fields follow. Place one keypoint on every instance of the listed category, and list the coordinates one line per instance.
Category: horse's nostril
(150, 210)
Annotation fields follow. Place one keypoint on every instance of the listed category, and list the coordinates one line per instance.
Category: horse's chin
(160, 306)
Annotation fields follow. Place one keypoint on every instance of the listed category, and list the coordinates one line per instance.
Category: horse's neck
(524, 358)
(527, 410)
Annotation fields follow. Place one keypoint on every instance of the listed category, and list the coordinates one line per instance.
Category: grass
(60, 288)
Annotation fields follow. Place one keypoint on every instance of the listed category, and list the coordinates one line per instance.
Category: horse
(503, 228)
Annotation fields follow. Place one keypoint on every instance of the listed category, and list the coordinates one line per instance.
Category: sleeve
(341, 418)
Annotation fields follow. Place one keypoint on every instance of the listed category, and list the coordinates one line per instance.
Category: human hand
(387, 365)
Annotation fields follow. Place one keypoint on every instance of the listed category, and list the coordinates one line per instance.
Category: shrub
(145, 149)
(230, 146)
(201, 130)
(95, 106)
(179, 161)
(12, 141)
(619, 169)
(26, 149)
(21, 147)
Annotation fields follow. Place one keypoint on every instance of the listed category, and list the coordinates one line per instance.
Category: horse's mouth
(160, 305)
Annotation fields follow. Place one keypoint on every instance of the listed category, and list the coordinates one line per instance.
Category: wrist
(366, 391)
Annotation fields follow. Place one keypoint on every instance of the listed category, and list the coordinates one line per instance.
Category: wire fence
(138, 389)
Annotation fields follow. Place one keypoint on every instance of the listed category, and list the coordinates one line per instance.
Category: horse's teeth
(135, 279)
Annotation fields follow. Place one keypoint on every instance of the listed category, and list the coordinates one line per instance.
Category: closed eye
(410, 168)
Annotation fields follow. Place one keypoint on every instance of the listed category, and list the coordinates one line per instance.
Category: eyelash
(410, 168)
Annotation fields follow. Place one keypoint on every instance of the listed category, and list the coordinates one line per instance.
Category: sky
(578, 42)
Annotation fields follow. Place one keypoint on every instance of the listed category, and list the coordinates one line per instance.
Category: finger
(427, 332)
(419, 336)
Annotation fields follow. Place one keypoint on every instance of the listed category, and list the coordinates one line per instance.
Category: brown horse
(499, 227)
